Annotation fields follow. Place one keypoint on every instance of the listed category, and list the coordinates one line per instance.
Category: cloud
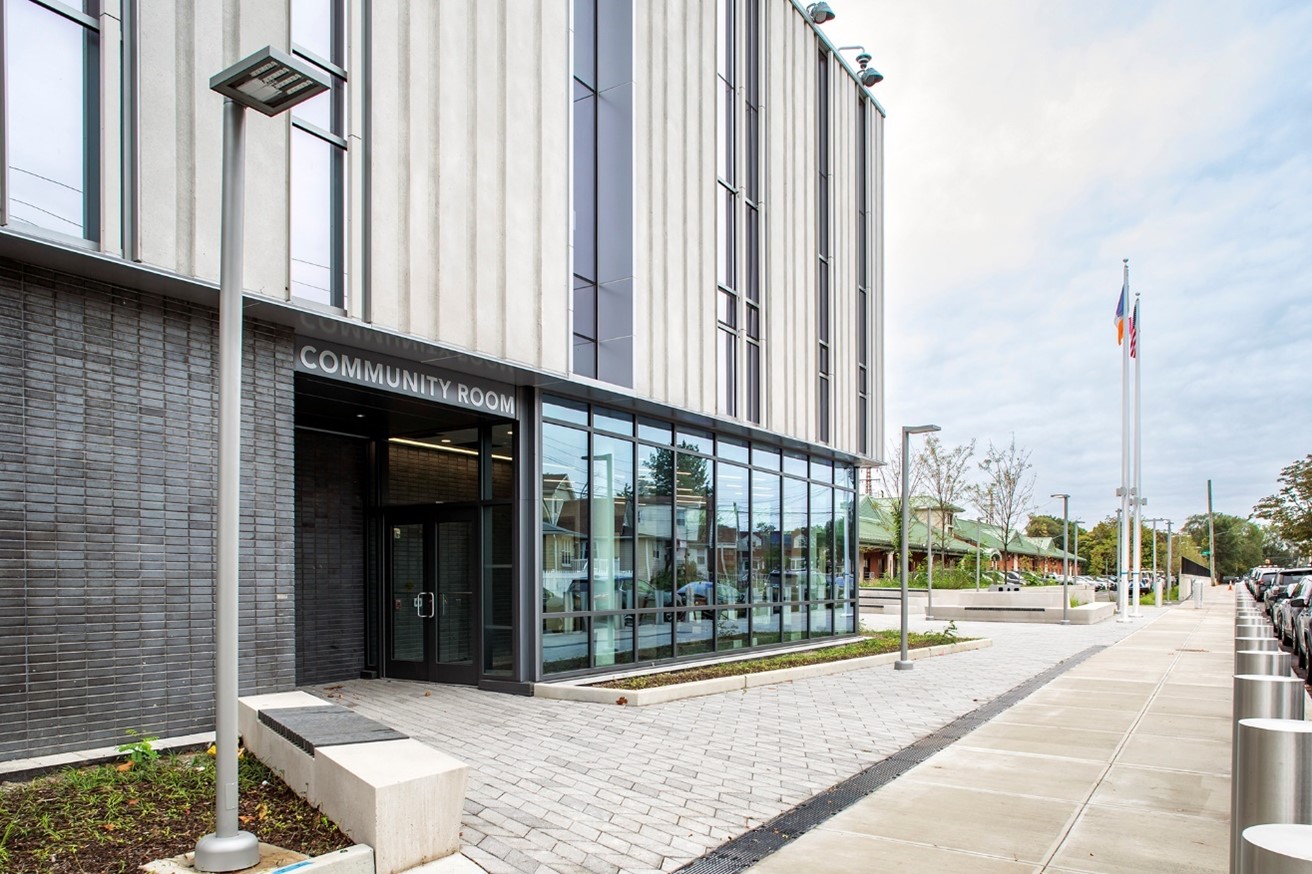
(1031, 146)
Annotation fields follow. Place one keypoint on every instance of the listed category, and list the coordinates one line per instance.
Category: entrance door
(431, 584)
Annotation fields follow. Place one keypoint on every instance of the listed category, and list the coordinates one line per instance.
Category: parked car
(1285, 610)
(1303, 638)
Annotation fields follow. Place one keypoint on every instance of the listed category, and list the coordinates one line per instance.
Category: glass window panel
(408, 581)
(696, 441)
(319, 110)
(585, 357)
(503, 461)
(694, 631)
(726, 362)
(752, 258)
(823, 209)
(822, 538)
(312, 27)
(564, 644)
(765, 625)
(612, 420)
(438, 467)
(753, 382)
(844, 617)
(794, 622)
(822, 469)
(731, 629)
(795, 538)
(795, 464)
(585, 41)
(585, 186)
(612, 639)
(726, 272)
(725, 157)
(654, 558)
(845, 475)
(724, 39)
(732, 534)
(655, 432)
(695, 506)
(822, 620)
(585, 309)
(732, 450)
(612, 523)
(726, 310)
(655, 636)
(765, 536)
(53, 92)
(498, 591)
(565, 410)
(753, 321)
(765, 456)
(823, 303)
(844, 580)
(565, 511)
(314, 223)
(752, 136)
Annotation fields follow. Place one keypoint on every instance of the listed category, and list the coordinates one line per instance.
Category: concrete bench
(1007, 608)
(399, 796)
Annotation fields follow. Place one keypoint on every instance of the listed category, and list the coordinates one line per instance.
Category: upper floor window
(318, 168)
(585, 187)
(822, 246)
(863, 275)
(51, 136)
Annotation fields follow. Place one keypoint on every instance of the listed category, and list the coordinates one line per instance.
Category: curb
(742, 682)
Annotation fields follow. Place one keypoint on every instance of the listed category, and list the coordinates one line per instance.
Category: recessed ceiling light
(446, 440)
(359, 415)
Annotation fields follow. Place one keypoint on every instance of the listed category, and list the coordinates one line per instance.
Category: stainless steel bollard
(1284, 848)
(1270, 644)
(1272, 779)
(1252, 631)
(1258, 696)
(1266, 662)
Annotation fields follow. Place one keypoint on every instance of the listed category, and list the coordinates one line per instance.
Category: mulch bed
(115, 818)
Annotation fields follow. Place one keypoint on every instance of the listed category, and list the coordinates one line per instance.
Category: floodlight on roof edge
(866, 74)
(820, 12)
(270, 81)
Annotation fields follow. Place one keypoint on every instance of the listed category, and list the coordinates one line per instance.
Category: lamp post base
(234, 853)
(900, 665)
(1065, 622)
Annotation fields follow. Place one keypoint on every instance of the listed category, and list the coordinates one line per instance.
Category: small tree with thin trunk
(944, 474)
(888, 484)
(1006, 491)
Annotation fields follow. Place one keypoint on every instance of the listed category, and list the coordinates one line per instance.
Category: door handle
(419, 605)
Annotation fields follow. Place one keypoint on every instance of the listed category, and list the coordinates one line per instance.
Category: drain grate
(746, 850)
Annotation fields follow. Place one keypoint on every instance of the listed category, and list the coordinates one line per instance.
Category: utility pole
(1211, 541)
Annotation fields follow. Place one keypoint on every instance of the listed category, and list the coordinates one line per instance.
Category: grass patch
(872, 643)
(115, 818)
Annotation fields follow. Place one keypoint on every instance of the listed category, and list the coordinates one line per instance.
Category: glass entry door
(432, 583)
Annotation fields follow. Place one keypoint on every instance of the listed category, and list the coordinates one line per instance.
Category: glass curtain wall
(659, 545)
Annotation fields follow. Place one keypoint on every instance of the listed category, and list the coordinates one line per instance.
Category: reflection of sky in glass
(312, 217)
(312, 27)
(318, 111)
(44, 64)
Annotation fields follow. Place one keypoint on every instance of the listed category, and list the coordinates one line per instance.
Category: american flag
(1134, 331)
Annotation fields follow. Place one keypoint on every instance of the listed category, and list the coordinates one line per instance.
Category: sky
(1030, 147)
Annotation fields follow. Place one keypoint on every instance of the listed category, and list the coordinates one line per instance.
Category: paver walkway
(1119, 765)
(572, 787)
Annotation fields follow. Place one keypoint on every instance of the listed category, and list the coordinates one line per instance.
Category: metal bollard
(1259, 696)
(1252, 631)
(1269, 644)
(1271, 664)
(1283, 848)
(1272, 779)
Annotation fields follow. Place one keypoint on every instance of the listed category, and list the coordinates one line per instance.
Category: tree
(888, 483)
(1238, 541)
(1290, 510)
(1041, 525)
(943, 473)
(1005, 494)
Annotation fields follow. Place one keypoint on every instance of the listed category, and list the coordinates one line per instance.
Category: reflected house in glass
(518, 409)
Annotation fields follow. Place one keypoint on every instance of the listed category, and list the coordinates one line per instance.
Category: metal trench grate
(747, 849)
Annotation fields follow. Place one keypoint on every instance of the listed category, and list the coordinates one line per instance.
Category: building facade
(563, 347)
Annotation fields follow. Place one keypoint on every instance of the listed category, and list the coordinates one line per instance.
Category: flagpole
(1122, 587)
(1139, 499)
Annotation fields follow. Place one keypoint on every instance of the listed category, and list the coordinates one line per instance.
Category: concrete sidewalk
(1119, 765)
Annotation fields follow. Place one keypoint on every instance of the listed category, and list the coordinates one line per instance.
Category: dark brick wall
(107, 465)
(330, 543)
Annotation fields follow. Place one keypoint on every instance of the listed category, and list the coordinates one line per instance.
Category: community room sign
(404, 377)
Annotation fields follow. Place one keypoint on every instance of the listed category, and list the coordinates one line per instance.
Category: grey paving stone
(572, 787)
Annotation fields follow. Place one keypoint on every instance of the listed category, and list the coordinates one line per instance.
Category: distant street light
(272, 82)
(1065, 560)
(905, 664)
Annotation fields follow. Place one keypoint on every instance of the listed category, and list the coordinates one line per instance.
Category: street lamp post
(271, 82)
(1065, 558)
(929, 563)
(905, 663)
(1076, 551)
(1169, 562)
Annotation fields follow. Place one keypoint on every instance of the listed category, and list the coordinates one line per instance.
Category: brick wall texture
(107, 463)
(330, 543)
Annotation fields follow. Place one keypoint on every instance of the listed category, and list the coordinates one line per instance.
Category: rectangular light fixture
(270, 81)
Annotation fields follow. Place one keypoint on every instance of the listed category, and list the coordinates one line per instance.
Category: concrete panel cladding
(106, 513)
